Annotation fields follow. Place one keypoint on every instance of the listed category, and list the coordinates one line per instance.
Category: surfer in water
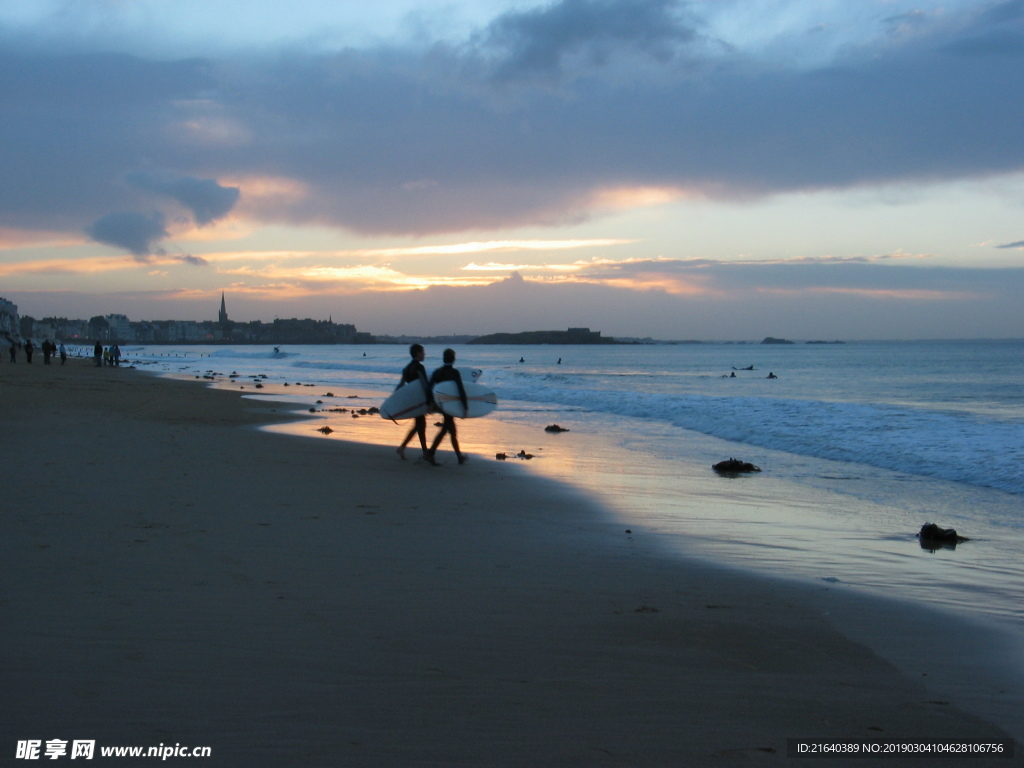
(447, 372)
(415, 371)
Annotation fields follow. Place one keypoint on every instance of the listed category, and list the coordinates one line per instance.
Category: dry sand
(174, 575)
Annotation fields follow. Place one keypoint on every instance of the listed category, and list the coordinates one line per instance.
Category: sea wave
(916, 441)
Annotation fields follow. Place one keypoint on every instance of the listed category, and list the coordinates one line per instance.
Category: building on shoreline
(10, 325)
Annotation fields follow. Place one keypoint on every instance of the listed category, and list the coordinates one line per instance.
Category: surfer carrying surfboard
(447, 372)
(413, 372)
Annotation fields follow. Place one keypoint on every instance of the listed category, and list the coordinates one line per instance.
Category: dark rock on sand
(734, 467)
(932, 537)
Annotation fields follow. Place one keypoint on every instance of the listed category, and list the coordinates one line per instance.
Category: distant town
(116, 328)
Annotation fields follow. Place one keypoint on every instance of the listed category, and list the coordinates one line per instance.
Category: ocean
(860, 444)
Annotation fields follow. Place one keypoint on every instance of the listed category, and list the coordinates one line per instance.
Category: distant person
(29, 348)
(732, 375)
(415, 371)
(13, 350)
(772, 375)
(447, 373)
(522, 360)
(106, 357)
(559, 361)
(63, 353)
(97, 354)
(48, 349)
(115, 355)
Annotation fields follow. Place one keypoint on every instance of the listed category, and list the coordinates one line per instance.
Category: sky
(711, 169)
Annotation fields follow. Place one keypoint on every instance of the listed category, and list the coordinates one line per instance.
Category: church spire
(222, 318)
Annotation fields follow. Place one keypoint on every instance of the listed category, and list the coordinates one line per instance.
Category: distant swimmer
(772, 375)
(277, 350)
(522, 360)
(732, 375)
(559, 361)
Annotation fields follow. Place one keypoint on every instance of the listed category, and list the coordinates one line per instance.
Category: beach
(174, 575)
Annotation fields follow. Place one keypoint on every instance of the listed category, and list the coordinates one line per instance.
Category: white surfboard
(406, 402)
(480, 399)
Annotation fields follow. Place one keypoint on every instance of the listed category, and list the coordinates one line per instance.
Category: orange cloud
(70, 266)
(351, 278)
(83, 266)
(230, 227)
(454, 249)
(625, 198)
(445, 249)
(21, 238)
(671, 284)
(275, 189)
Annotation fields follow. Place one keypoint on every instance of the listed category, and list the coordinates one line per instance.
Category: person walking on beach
(415, 371)
(48, 350)
(13, 350)
(115, 356)
(97, 354)
(29, 347)
(63, 353)
(447, 373)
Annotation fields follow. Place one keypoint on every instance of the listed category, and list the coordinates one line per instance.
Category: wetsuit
(413, 371)
(448, 373)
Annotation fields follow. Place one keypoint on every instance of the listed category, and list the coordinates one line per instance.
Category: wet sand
(175, 575)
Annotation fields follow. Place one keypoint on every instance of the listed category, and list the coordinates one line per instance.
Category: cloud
(205, 198)
(539, 42)
(1018, 244)
(134, 232)
(544, 116)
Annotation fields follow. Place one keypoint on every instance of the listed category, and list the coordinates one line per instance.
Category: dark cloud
(74, 126)
(134, 232)
(998, 30)
(207, 199)
(195, 261)
(519, 126)
(1018, 244)
(539, 41)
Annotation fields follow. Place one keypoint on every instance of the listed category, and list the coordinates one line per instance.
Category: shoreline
(313, 602)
